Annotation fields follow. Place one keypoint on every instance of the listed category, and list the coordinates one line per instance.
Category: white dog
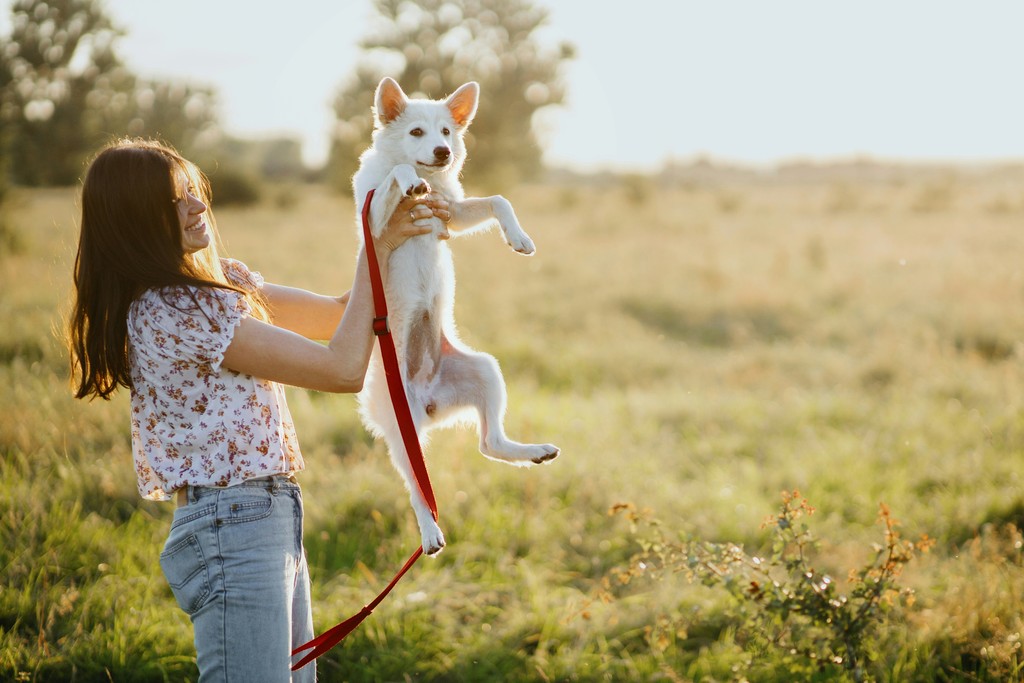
(418, 148)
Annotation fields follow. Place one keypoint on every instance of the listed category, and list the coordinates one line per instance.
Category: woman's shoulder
(186, 322)
(176, 302)
(239, 274)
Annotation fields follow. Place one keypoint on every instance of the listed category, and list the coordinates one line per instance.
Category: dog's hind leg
(379, 413)
(471, 379)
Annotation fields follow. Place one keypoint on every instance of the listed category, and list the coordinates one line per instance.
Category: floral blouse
(193, 421)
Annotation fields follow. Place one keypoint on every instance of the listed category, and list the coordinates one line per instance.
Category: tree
(6, 234)
(59, 50)
(68, 93)
(431, 47)
(184, 114)
(7, 109)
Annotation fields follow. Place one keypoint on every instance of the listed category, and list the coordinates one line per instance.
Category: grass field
(695, 344)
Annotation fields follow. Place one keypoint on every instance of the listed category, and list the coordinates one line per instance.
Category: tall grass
(693, 348)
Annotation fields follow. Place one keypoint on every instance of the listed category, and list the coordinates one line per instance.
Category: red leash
(332, 637)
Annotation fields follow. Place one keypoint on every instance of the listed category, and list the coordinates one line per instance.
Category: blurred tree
(68, 93)
(183, 114)
(6, 235)
(431, 47)
(274, 158)
(237, 167)
(57, 53)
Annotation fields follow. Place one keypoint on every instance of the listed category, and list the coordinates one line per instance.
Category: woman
(203, 343)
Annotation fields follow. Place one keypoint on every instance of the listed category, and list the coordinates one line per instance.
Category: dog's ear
(462, 103)
(390, 101)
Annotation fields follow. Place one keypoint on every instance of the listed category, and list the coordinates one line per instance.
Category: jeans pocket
(248, 507)
(184, 566)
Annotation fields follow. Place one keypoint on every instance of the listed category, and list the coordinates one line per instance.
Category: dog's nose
(442, 153)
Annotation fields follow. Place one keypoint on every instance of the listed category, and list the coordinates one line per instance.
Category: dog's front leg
(474, 211)
(400, 182)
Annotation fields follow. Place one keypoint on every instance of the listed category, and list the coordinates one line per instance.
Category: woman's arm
(314, 316)
(281, 355)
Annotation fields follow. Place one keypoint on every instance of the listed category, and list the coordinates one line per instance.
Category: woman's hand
(438, 207)
(280, 355)
(412, 218)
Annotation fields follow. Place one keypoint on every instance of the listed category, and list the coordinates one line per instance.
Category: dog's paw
(410, 184)
(417, 188)
(522, 244)
(433, 542)
(548, 452)
(519, 454)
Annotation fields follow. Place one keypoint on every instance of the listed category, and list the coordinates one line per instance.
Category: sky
(743, 81)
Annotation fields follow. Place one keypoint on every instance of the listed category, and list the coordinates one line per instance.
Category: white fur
(445, 380)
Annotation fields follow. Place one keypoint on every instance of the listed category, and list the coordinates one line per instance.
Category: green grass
(695, 348)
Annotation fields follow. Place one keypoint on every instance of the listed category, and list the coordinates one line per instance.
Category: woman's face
(191, 215)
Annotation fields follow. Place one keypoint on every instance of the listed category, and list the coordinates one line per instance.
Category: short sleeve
(189, 323)
(239, 275)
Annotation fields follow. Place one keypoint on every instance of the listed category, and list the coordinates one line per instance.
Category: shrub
(11, 239)
(233, 186)
(784, 603)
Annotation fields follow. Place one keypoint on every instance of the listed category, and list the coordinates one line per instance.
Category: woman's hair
(130, 242)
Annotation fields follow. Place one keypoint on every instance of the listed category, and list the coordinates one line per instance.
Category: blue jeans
(235, 563)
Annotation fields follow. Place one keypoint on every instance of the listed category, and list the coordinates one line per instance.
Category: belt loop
(183, 496)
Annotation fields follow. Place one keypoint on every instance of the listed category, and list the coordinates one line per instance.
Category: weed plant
(782, 601)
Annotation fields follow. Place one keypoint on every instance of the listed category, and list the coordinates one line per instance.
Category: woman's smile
(192, 216)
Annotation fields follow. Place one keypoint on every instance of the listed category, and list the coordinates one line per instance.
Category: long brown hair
(129, 242)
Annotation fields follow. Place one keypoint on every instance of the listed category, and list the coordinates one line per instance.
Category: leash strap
(333, 636)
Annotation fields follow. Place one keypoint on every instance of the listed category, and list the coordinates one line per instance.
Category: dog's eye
(445, 131)
(416, 132)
